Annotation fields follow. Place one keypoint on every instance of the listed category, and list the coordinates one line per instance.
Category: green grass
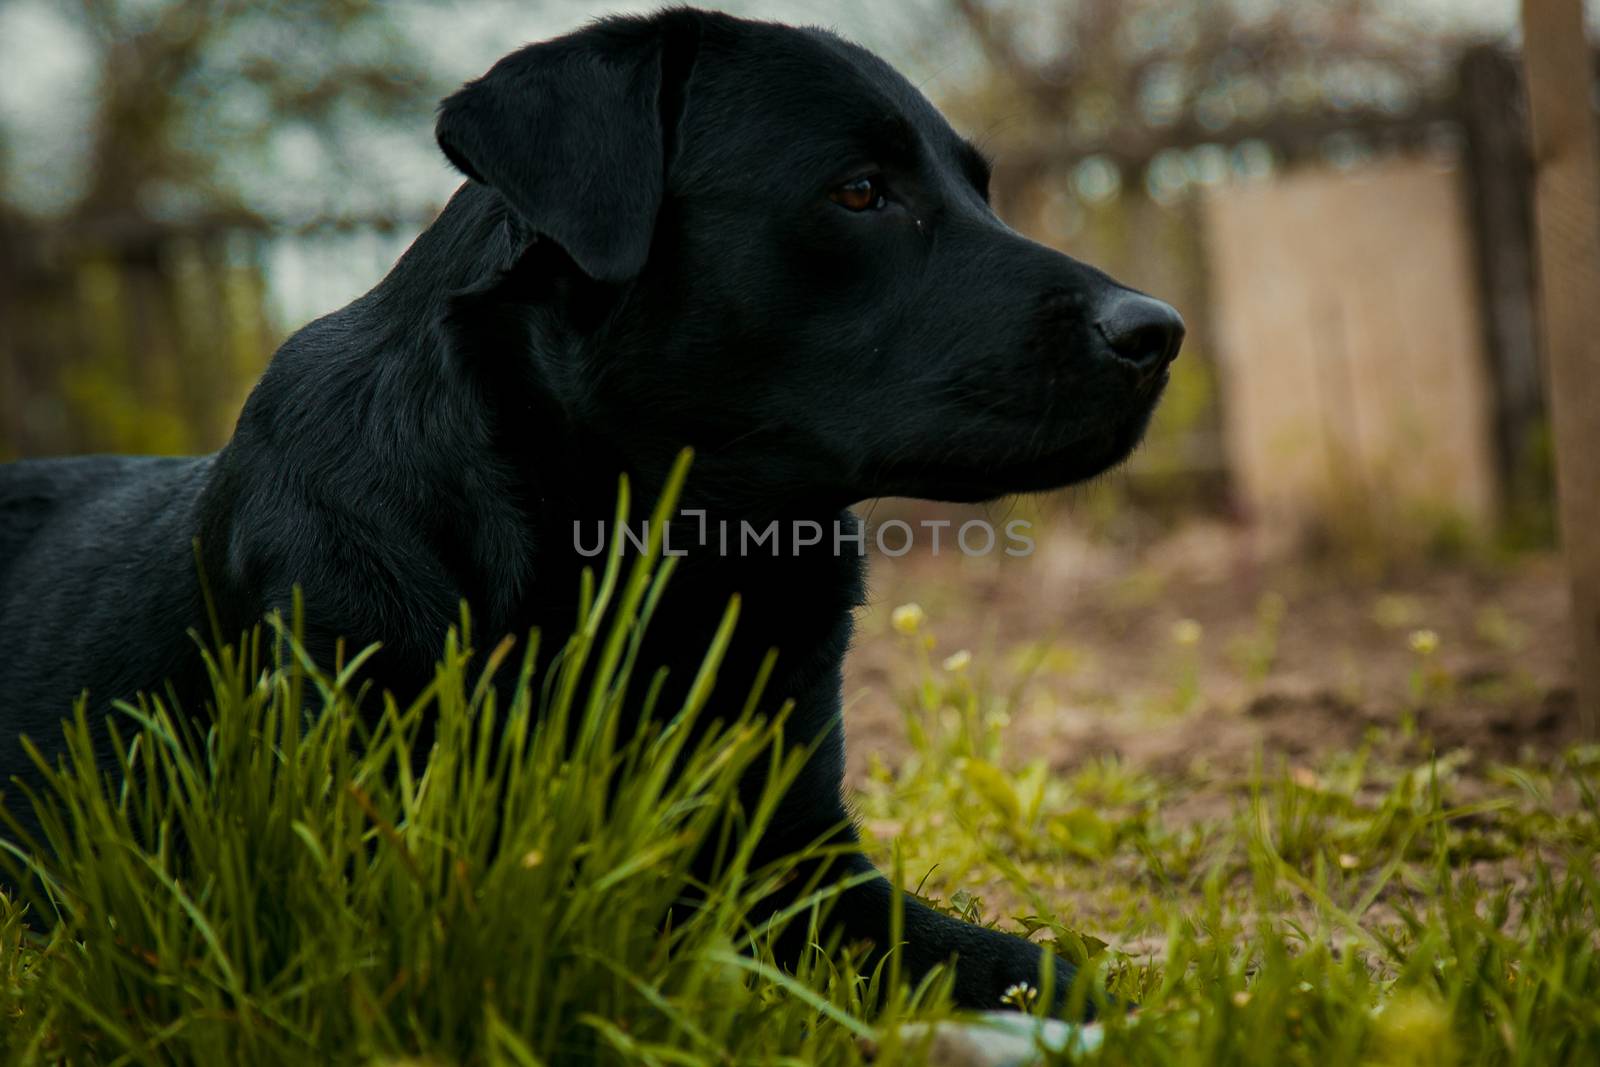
(281, 887)
(1387, 905)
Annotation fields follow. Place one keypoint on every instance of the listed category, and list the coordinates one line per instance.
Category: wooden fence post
(1559, 65)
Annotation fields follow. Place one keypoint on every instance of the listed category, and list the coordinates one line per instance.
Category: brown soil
(1110, 675)
(1080, 642)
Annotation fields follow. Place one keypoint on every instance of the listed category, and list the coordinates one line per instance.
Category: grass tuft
(288, 879)
(504, 872)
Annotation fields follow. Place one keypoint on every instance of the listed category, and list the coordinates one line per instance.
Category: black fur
(647, 256)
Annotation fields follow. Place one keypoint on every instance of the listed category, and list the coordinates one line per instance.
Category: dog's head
(797, 270)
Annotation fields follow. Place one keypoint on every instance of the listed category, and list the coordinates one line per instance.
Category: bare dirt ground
(1197, 658)
(1198, 651)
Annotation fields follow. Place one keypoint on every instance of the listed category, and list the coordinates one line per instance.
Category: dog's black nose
(1142, 331)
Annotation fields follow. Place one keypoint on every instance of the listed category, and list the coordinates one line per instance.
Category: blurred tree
(189, 89)
(1125, 78)
(136, 318)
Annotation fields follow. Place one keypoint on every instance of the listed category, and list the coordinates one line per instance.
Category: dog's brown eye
(863, 194)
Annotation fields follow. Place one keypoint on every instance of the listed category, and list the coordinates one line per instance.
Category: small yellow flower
(532, 858)
(1187, 632)
(908, 618)
(957, 662)
(1424, 642)
(1241, 998)
(1348, 861)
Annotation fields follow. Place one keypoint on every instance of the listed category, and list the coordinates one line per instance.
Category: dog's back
(98, 587)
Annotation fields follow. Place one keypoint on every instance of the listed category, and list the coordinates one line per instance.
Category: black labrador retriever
(681, 230)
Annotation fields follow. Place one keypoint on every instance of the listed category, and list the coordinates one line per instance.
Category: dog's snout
(1142, 331)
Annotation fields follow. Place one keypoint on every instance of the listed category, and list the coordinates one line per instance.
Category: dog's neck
(805, 591)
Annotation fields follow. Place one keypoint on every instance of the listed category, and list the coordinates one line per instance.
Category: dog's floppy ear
(570, 132)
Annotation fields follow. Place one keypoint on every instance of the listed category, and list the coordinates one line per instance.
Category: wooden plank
(1354, 383)
(1557, 60)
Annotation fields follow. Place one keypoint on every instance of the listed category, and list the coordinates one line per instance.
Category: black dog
(688, 229)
